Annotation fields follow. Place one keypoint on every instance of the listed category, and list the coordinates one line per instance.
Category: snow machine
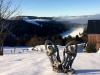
(69, 54)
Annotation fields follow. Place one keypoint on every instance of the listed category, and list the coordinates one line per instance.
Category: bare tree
(7, 25)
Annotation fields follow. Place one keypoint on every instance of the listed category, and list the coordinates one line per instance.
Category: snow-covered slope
(30, 21)
(42, 20)
(37, 63)
(35, 21)
(73, 32)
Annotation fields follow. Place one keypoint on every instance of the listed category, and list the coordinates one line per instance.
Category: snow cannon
(69, 54)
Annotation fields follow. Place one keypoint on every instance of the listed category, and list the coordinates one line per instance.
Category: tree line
(28, 34)
(25, 33)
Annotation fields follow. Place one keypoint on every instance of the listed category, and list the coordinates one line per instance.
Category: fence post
(23, 50)
(11, 51)
(14, 50)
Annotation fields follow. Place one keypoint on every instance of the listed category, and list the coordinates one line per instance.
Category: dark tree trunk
(1, 48)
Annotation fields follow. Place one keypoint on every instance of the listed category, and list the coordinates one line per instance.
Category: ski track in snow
(73, 32)
(37, 63)
(35, 21)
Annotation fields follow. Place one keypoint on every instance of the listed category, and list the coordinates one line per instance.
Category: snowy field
(37, 63)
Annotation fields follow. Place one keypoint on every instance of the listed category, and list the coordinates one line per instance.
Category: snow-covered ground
(98, 51)
(73, 32)
(37, 63)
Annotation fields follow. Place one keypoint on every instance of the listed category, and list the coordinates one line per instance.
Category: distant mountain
(36, 25)
(73, 19)
(40, 26)
(41, 22)
(29, 17)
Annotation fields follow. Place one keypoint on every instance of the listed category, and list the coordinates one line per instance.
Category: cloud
(78, 19)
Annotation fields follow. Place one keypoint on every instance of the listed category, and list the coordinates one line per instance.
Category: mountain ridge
(82, 19)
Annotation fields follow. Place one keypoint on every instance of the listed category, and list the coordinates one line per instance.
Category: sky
(51, 8)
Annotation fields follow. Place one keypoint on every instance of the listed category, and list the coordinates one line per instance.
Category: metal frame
(69, 54)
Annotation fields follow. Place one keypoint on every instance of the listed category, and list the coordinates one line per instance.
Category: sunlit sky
(50, 8)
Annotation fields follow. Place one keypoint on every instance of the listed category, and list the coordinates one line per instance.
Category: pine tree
(90, 48)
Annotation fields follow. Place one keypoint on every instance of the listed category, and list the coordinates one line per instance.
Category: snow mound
(40, 48)
(73, 32)
(98, 51)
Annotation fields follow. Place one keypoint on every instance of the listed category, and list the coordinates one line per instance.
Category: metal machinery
(69, 54)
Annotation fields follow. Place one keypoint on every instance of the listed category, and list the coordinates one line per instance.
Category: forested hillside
(32, 34)
(31, 31)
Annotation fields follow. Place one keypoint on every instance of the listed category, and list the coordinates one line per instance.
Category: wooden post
(23, 50)
(1, 47)
(11, 51)
(14, 50)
